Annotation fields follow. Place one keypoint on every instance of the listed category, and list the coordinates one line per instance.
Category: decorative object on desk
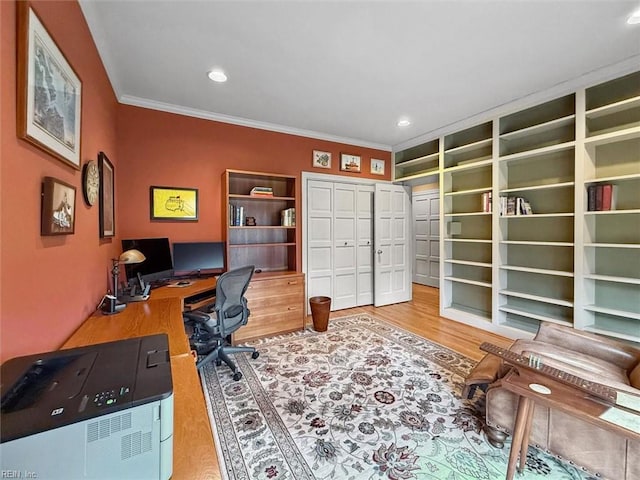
(349, 163)
(320, 310)
(58, 207)
(127, 257)
(107, 197)
(321, 159)
(91, 182)
(250, 221)
(49, 91)
(375, 398)
(377, 166)
(172, 203)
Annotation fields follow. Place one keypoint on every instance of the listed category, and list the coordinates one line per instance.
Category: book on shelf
(261, 191)
(486, 202)
(288, 217)
(236, 216)
(601, 197)
(514, 206)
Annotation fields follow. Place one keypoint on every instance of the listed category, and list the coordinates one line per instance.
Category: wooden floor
(421, 316)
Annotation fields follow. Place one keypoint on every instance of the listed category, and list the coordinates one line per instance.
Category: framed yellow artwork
(173, 203)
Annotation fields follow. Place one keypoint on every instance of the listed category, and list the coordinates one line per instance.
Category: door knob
(345, 244)
(379, 252)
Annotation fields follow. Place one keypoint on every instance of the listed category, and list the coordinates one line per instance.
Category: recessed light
(404, 123)
(217, 76)
(634, 18)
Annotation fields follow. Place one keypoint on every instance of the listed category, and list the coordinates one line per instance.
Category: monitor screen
(197, 257)
(157, 266)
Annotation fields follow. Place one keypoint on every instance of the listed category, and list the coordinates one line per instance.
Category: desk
(561, 397)
(194, 454)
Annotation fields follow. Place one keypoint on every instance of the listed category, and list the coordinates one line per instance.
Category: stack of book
(236, 216)
(261, 192)
(515, 206)
(288, 217)
(601, 197)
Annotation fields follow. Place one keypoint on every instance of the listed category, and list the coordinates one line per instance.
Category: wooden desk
(561, 397)
(136, 320)
(196, 287)
(194, 454)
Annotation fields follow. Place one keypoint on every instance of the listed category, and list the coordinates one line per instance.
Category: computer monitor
(197, 258)
(157, 267)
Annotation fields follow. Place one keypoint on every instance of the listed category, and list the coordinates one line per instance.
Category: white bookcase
(611, 261)
(466, 268)
(557, 261)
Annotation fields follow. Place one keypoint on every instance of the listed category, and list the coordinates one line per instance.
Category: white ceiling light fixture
(404, 122)
(634, 18)
(217, 76)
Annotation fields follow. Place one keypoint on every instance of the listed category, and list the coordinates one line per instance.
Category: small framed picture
(106, 197)
(58, 207)
(377, 166)
(321, 159)
(349, 163)
(173, 203)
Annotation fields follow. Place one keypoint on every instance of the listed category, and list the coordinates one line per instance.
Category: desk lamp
(126, 258)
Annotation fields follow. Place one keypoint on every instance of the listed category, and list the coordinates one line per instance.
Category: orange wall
(158, 148)
(49, 285)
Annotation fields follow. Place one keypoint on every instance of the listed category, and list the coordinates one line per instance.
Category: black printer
(102, 411)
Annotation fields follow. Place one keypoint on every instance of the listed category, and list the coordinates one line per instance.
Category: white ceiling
(349, 70)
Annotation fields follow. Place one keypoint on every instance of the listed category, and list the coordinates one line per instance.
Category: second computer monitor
(197, 258)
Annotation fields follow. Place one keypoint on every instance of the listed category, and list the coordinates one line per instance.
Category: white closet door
(364, 241)
(344, 233)
(320, 238)
(392, 257)
(426, 224)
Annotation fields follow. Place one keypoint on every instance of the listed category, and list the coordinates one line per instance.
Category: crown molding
(245, 122)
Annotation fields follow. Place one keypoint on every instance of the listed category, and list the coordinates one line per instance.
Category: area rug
(364, 400)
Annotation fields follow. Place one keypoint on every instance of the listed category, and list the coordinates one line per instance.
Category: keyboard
(198, 297)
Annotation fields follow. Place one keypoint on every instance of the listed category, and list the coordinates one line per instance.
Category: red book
(608, 197)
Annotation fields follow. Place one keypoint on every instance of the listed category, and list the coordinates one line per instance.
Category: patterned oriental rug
(364, 400)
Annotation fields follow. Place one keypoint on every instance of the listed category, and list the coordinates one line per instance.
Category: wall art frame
(377, 166)
(58, 213)
(173, 203)
(107, 197)
(49, 100)
(321, 159)
(350, 163)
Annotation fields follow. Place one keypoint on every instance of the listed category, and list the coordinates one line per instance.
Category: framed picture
(58, 207)
(350, 163)
(171, 203)
(377, 166)
(49, 92)
(107, 197)
(321, 159)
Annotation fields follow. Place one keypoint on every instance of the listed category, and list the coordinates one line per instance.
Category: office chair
(209, 331)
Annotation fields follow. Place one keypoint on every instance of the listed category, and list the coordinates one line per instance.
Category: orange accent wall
(158, 148)
(49, 285)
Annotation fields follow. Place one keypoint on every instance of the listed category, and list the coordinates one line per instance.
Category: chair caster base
(237, 376)
(255, 355)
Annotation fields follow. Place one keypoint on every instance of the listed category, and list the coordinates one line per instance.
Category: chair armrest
(196, 316)
(617, 353)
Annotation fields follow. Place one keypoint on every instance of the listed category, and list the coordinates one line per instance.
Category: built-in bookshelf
(466, 183)
(268, 238)
(611, 270)
(420, 161)
(521, 241)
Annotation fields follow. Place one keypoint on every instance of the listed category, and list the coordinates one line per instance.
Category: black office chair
(209, 331)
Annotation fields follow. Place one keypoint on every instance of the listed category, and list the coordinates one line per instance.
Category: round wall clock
(90, 182)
